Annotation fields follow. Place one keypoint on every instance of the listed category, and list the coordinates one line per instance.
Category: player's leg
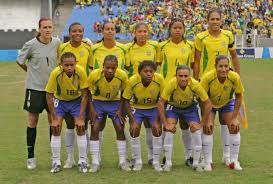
(207, 143)
(135, 128)
(225, 140)
(69, 140)
(149, 140)
(157, 138)
(187, 141)
(34, 103)
(235, 141)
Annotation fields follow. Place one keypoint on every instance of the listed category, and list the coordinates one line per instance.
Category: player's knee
(81, 130)
(146, 124)
(234, 129)
(195, 127)
(56, 130)
(156, 130)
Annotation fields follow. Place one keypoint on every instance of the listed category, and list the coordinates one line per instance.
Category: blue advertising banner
(246, 52)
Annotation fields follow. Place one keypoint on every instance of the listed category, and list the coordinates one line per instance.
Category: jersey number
(147, 100)
(183, 102)
(108, 95)
(70, 92)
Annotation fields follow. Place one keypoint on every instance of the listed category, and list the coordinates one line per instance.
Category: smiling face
(76, 33)
(222, 68)
(46, 29)
(183, 76)
(214, 21)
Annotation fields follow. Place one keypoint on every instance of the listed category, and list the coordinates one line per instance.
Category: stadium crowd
(239, 16)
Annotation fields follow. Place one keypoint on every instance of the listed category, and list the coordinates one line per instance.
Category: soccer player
(67, 94)
(174, 52)
(38, 58)
(106, 85)
(82, 52)
(208, 45)
(145, 88)
(138, 50)
(107, 46)
(180, 94)
(221, 84)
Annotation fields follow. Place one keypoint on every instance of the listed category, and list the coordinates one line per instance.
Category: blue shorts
(145, 114)
(229, 107)
(104, 108)
(189, 114)
(67, 107)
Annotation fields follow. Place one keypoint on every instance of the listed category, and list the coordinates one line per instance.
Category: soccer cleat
(31, 163)
(125, 166)
(236, 166)
(157, 167)
(69, 164)
(55, 168)
(83, 167)
(167, 167)
(150, 162)
(132, 162)
(137, 167)
(208, 167)
(189, 162)
(226, 161)
(94, 168)
(197, 168)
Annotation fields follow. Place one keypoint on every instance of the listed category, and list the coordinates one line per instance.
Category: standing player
(209, 44)
(172, 53)
(180, 93)
(221, 85)
(82, 52)
(138, 50)
(107, 46)
(106, 85)
(145, 88)
(38, 58)
(67, 94)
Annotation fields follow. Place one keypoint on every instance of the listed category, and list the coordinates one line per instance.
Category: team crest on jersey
(148, 53)
(115, 87)
(82, 53)
(224, 44)
(225, 88)
(152, 92)
(183, 50)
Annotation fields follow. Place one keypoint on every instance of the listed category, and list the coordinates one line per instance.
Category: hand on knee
(80, 130)
(156, 130)
(194, 127)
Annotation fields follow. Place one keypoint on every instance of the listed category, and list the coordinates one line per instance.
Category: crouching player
(67, 93)
(180, 93)
(145, 88)
(106, 86)
(221, 84)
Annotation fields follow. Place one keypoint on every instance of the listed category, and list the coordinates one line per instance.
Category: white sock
(157, 145)
(95, 151)
(197, 146)
(56, 149)
(207, 144)
(127, 139)
(136, 149)
(122, 150)
(87, 142)
(168, 147)
(69, 143)
(186, 138)
(82, 144)
(225, 141)
(235, 140)
(100, 145)
(149, 142)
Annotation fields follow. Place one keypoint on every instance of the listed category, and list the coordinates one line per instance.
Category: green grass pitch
(256, 153)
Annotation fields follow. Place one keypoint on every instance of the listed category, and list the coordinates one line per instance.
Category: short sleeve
(127, 94)
(238, 86)
(24, 53)
(51, 86)
(198, 44)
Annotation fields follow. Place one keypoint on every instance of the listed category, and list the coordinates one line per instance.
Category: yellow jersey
(99, 52)
(66, 88)
(171, 55)
(211, 47)
(180, 98)
(136, 54)
(221, 93)
(103, 90)
(81, 52)
(144, 97)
